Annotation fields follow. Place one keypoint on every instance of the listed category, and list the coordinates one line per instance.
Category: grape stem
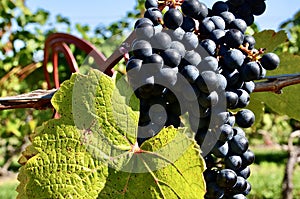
(277, 83)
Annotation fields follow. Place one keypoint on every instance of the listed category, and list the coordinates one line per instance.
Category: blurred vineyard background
(22, 36)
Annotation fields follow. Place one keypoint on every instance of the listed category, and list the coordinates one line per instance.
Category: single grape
(239, 24)
(245, 118)
(232, 99)
(154, 14)
(207, 81)
(226, 178)
(151, 3)
(219, 7)
(217, 36)
(238, 144)
(249, 87)
(188, 24)
(240, 186)
(177, 34)
(167, 77)
(171, 57)
(234, 38)
(144, 31)
(190, 41)
(219, 22)
(191, 8)
(206, 27)
(142, 21)
(248, 158)
(191, 73)
(208, 64)
(173, 18)
(258, 7)
(154, 62)
(161, 41)
(270, 61)
(228, 17)
(208, 100)
(209, 45)
(244, 172)
(250, 71)
(226, 133)
(244, 98)
(141, 49)
(233, 59)
(233, 162)
(250, 40)
(220, 149)
(191, 58)
(176, 45)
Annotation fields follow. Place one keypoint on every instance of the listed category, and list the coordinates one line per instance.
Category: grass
(266, 180)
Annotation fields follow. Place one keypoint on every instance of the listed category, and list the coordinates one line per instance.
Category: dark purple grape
(154, 14)
(234, 38)
(233, 162)
(219, 7)
(190, 41)
(173, 18)
(142, 21)
(232, 99)
(191, 73)
(161, 41)
(220, 149)
(191, 58)
(144, 31)
(233, 59)
(250, 71)
(209, 45)
(226, 178)
(238, 144)
(171, 57)
(239, 24)
(141, 49)
(228, 17)
(245, 118)
(191, 8)
(270, 61)
(250, 40)
(151, 3)
(188, 24)
(248, 158)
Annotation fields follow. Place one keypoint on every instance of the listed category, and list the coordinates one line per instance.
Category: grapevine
(190, 60)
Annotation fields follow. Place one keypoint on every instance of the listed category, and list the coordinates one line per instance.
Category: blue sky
(95, 12)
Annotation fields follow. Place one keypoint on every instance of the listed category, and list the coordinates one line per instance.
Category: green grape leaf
(286, 103)
(62, 100)
(167, 166)
(269, 39)
(92, 150)
(58, 165)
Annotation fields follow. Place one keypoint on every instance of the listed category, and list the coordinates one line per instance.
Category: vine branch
(277, 83)
(41, 99)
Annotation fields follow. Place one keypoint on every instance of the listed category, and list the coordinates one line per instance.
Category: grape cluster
(187, 58)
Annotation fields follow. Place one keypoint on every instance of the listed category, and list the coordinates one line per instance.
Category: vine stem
(41, 99)
(277, 83)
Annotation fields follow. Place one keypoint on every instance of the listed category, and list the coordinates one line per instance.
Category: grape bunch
(190, 60)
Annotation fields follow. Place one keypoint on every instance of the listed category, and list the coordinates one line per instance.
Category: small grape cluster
(187, 58)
